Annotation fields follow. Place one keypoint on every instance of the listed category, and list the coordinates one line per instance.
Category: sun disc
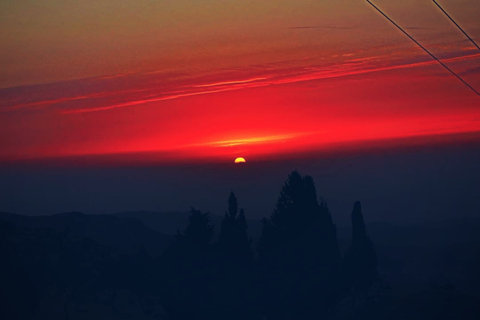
(240, 160)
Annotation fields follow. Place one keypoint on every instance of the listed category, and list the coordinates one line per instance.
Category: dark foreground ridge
(128, 266)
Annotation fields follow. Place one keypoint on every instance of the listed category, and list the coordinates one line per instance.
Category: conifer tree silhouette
(244, 244)
(227, 234)
(232, 205)
(199, 231)
(233, 241)
(298, 249)
(361, 257)
(189, 266)
(234, 260)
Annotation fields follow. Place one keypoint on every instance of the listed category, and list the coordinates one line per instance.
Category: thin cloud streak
(264, 81)
(55, 101)
(416, 28)
(139, 102)
(321, 27)
(349, 67)
(229, 82)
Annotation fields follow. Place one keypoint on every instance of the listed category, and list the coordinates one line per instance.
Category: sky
(211, 80)
(122, 83)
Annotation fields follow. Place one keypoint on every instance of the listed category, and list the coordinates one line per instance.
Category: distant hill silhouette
(127, 235)
(169, 223)
(163, 222)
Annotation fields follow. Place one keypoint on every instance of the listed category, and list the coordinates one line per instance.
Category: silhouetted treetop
(298, 250)
(297, 205)
(199, 231)
(233, 238)
(232, 205)
(361, 257)
(358, 225)
(242, 227)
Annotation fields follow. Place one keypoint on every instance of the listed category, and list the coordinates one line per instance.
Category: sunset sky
(211, 80)
(109, 106)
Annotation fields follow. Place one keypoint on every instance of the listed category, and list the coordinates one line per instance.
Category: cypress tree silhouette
(234, 260)
(233, 241)
(232, 205)
(189, 266)
(359, 234)
(361, 256)
(243, 243)
(298, 249)
(227, 234)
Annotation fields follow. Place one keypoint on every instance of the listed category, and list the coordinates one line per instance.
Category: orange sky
(220, 79)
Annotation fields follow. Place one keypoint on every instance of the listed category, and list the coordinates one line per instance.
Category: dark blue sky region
(401, 185)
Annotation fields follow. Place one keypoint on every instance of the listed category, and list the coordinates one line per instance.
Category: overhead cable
(454, 22)
(424, 49)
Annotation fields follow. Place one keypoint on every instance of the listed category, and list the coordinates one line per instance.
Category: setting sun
(240, 160)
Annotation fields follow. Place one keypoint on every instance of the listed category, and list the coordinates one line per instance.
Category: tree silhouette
(232, 205)
(234, 261)
(233, 242)
(298, 251)
(361, 257)
(199, 231)
(189, 268)
(228, 232)
(243, 243)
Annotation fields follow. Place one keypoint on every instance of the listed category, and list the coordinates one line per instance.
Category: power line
(424, 49)
(454, 22)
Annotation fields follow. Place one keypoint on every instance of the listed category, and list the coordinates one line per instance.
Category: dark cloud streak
(321, 27)
(417, 28)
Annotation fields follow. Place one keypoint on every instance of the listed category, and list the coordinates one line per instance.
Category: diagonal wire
(424, 49)
(454, 22)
